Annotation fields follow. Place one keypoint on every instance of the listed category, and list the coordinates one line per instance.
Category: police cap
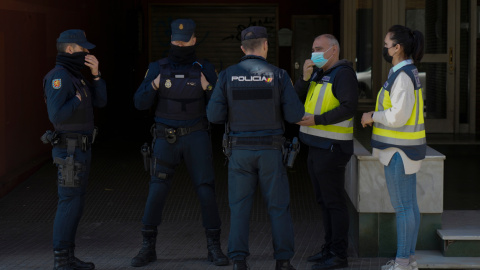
(254, 32)
(182, 29)
(76, 36)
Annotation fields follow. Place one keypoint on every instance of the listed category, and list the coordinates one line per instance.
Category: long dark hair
(412, 41)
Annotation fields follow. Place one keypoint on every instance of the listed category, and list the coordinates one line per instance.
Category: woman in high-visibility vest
(398, 137)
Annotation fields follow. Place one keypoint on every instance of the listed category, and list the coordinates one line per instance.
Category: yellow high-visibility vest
(411, 136)
(320, 99)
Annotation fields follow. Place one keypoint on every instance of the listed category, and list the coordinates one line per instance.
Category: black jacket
(345, 89)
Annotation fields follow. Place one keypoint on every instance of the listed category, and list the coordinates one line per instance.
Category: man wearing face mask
(181, 85)
(70, 99)
(329, 87)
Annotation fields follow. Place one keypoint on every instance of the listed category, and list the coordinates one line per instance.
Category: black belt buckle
(170, 135)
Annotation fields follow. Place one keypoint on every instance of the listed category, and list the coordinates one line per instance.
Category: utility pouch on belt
(69, 169)
(290, 152)
(50, 137)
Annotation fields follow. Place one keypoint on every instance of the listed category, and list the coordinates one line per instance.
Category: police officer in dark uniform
(70, 100)
(253, 98)
(181, 85)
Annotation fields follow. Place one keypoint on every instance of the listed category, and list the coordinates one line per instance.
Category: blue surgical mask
(318, 59)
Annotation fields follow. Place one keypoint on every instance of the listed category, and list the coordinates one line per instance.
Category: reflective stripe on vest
(413, 132)
(320, 99)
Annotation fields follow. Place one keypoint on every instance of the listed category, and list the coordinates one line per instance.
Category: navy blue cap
(254, 32)
(76, 36)
(182, 30)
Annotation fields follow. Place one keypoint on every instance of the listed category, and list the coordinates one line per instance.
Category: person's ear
(243, 50)
(69, 49)
(398, 47)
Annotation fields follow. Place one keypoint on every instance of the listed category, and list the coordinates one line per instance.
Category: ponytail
(418, 46)
(412, 41)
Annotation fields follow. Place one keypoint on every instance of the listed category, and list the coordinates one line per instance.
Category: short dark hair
(412, 42)
(252, 44)
(62, 46)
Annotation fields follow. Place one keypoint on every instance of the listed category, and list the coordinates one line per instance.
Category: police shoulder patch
(57, 83)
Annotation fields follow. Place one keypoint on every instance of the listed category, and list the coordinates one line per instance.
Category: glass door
(436, 20)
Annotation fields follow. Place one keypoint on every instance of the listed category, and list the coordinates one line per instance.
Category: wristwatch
(98, 75)
(209, 87)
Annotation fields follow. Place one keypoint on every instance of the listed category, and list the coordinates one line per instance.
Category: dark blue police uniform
(180, 133)
(73, 121)
(254, 98)
(180, 106)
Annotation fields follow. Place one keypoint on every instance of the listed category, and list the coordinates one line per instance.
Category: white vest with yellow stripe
(410, 138)
(320, 99)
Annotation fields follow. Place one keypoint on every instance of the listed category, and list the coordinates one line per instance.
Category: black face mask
(74, 62)
(182, 55)
(386, 56)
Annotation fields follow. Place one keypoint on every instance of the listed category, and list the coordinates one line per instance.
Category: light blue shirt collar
(399, 66)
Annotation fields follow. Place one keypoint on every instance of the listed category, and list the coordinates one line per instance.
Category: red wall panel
(28, 33)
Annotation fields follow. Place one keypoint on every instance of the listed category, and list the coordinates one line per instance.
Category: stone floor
(109, 232)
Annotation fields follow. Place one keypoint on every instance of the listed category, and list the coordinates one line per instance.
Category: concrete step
(434, 259)
(460, 242)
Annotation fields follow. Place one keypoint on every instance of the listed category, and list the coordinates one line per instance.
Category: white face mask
(318, 59)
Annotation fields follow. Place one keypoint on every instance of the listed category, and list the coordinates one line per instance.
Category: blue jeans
(403, 195)
(196, 149)
(246, 170)
(71, 201)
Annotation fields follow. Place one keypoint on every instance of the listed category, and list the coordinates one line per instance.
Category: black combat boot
(284, 265)
(147, 253)
(240, 264)
(61, 261)
(215, 253)
(77, 264)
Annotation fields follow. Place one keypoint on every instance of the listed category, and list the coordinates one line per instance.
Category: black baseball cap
(254, 32)
(182, 29)
(76, 36)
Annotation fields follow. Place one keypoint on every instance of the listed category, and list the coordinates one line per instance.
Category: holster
(68, 168)
(147, 157)
(150, 162)
(227, 146)
(290, 152)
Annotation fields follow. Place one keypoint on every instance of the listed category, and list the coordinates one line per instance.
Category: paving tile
(109, 232)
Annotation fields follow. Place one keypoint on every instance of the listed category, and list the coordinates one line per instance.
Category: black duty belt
(170, 133)
(82, 141)
(275, 142)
